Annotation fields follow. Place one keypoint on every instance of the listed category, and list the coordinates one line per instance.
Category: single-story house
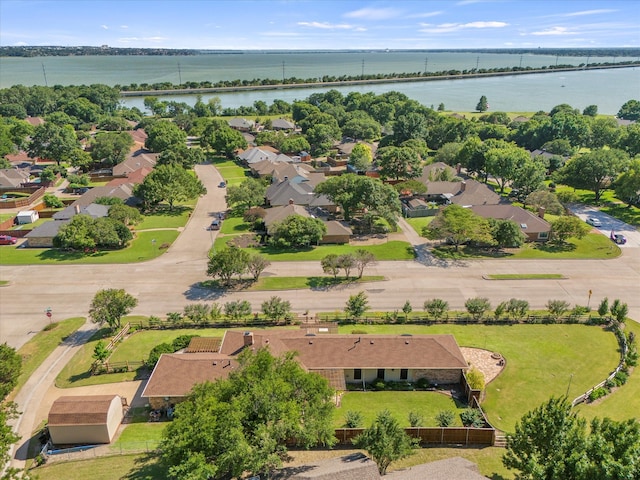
(535, 227)
(342, 359)
(123, 191)
(136, 160)
(465, 193)
(42, 236)
(84, 420)
(282, 124)
(241, 124)
(175, 374)
(13, 177)
(299, 190)
(94, 210)
(337, 232)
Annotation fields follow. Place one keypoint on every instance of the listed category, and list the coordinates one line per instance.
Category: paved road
(609, 224)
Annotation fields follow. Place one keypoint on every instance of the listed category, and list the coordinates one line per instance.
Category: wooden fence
(432, 435)
(36, 193)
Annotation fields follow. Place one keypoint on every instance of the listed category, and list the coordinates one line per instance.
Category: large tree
(171, 184)
(163, 135)
(181, 155)
(242, 424)
(226, 141)
(566, 227)
(385, 441)
(594, 170)
(297, 231)
(552, 442)
(111, 148)
(53, 142)
(110, 305)
(458, 225)
(504, 160)
(353, 192)
(250, 193)
(528, 177)
(360, 157)
(398, 163)
(84, 232)
(227, 262)
(10, 366)
(630, 110)
(628, 184)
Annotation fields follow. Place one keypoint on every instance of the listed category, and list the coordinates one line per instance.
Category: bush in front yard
(472, 417)
(353, 419)
(445, 418)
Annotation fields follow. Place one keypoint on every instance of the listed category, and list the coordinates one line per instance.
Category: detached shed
(84, 420)
(27, 216)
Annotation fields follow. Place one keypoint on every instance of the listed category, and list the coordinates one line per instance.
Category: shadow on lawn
(555, 247)
(66, 255)
(148, 467)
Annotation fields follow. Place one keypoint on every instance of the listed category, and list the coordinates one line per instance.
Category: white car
(594, 222)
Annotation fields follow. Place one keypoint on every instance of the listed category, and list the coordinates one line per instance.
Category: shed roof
(81, 410)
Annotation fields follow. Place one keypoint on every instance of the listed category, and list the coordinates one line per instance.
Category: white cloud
(373, 13)
(104, 27)
(590, 12)
(124, 27)
(326, 25)
(453, 27)
(554, 31)
(426, 14)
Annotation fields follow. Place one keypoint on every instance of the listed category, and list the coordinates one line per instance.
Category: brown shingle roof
(529, 222)
(80, 410)
(175, 373)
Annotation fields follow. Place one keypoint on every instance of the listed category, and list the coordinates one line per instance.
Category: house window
(404, 373)
(543, 235)
(381, 373)
(357, 374)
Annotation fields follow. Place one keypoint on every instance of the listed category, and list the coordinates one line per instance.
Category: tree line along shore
(167, 88)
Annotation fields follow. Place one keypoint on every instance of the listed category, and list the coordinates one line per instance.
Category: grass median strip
(525, 276)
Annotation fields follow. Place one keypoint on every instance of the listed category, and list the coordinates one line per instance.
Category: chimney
(248, 339)
(541, 211)
(463, 186)
(458, 168)
(76, 207)
(291, 201)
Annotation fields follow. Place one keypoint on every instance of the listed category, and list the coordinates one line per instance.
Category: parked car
(594, 222)
(215, 225)
(619, 238)
(7, 240)
(222, 184)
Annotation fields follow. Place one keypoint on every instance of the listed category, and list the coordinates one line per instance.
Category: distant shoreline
(283, 86)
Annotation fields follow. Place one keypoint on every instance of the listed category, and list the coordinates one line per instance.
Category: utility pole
(283, 71)
(557, 60)
(362, 74)
(426, 63)
(477, 62)
(588, 58)
(520, 61)
(44, 72)
(179, 74)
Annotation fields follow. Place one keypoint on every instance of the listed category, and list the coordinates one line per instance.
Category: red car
(7, 240)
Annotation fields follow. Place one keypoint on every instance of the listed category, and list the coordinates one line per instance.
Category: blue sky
(321, 24)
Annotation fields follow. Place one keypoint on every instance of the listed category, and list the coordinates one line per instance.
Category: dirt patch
(244, 241)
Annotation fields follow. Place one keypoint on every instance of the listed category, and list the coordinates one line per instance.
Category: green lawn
(592, 246)
(608, 203)
(426, 404)
(392, 250)
(540, 361)
(624, 403)
(234, 225)
(132, 467)
(145, 246)
(525, 276)
(166, 219)
(419, 223)
(40, 346)
(139, 436)
(232, 173)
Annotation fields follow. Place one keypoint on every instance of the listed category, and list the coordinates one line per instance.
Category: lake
(608, 89)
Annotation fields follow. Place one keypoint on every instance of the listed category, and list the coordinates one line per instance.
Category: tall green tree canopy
(242, 424)
(503, 161)
(459, 225)
(398, 163)
(594, 170)
(53, 142)
(163, 135)
(249, 193)
(352, 192)
(628, 184)
(110, 305)
(171, 184)
(630, 110)
(111, 147)
(551, 442)
(227, 262)
(297, 231)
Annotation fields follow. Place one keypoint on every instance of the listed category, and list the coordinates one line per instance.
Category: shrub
(597, 393)
(379, 385)
(445, 418)
(631, 359)
(475, 378)
(472, 417)
(353, 419)
(477, 307)
(422, 383)
(359, 332)
(51, 201)
(620, 378)
(580, 310)
(415, 419)
(182, 342)
(154, 354)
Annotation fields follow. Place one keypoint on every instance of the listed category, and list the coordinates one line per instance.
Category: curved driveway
(169, 282)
